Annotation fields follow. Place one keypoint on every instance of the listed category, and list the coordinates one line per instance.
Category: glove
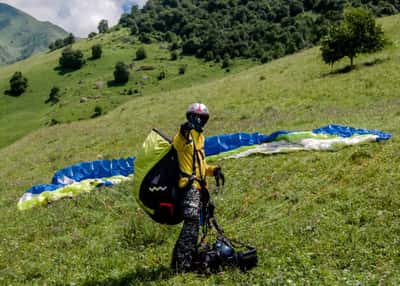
(185, 129)
(218, 175)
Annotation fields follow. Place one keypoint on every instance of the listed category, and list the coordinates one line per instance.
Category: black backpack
(156, 179)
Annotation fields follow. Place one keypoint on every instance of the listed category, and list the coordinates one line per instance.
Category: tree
(121, 73)
(103, 26)
(141, 54)
(71, 59)
(69, 40)
(18, 84)
(54, 96)
(174, 56)
(96, 51)
(182, 69)
(59, 43)
(357, 33)
(226, 62)
(92, 35)
(161, 76)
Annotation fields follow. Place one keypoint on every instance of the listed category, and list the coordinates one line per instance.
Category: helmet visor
(198, 120)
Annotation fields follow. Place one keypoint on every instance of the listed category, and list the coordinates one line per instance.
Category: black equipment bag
(156, 179)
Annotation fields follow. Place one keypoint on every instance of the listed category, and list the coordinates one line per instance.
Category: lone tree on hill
(121, 73)
(96, 51)
(103, 26)
(71, 59)
(357, 33)
(18, 84)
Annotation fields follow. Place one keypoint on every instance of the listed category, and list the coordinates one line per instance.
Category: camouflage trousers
(186, 244)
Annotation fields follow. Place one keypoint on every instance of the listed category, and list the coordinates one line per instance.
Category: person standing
(189, 144)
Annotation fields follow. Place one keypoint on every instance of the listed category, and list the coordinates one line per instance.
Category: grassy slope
(317, 218)
(19, 116)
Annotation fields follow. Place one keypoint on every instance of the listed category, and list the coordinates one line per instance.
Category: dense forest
(218, 29)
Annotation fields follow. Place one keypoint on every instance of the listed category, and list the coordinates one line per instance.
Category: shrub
(92, 35)
(174, 46)
(134, 30)
(54, 96)
(121, 73)
(72, 59)
(209, 56)
(265, 58)
(18, 84)
(96, 51)
(226, 62)
(182, 69)
(161, 76)
(170, 37)
(174, 56)
(141, 54)
(191, 46)
(145, 38)
(97, 111)
(69, 40)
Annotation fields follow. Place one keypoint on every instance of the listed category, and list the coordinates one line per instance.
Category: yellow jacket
(185, 149)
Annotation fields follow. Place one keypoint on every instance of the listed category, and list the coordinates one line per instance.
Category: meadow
(81, 91)
(316, 218)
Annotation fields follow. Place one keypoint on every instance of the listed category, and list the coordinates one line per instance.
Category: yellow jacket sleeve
(185, 150)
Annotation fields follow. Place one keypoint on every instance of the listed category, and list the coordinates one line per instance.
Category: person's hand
(185, 129)
(219, 176)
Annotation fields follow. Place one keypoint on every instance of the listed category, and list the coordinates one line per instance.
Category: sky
(79, 17)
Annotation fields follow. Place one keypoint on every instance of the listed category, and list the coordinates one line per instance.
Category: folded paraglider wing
(156, 178)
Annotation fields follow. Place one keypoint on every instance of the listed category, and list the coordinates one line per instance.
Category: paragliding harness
(157, 192)
(213, 258)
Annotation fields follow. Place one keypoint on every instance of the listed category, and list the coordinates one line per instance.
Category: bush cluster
(242, 28)
(60, 43)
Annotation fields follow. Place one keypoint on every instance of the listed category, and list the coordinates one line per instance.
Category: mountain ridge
(22, 35)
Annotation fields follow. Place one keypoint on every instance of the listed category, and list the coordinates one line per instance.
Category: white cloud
(77, 16)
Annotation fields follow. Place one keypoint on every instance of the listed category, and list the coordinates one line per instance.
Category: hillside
(262, 29)
(316, 218)
(92, 85)
(21, 35)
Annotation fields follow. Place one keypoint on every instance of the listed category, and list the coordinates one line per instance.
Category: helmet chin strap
(198, 129)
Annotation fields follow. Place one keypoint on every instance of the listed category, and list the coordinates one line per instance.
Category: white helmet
(198, 115)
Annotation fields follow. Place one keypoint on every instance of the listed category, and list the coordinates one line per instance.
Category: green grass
(24, 114)
(317, 218)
